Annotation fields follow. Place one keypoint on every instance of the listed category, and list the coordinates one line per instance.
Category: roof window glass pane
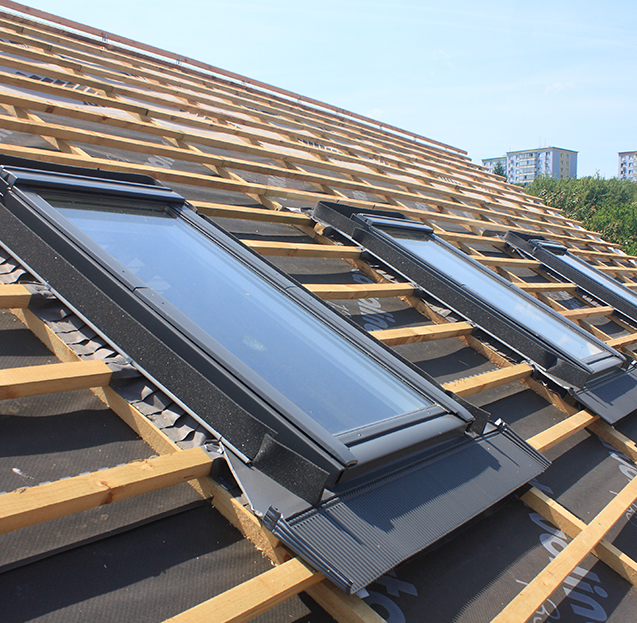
(607, 282)
(498, 295)
(325, 375)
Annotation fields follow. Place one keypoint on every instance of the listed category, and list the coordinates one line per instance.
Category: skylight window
(319, 382)
(297, 355)
(600, 377)
(559, 259)
(499, 294)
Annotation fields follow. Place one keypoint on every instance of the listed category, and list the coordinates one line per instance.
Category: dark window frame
(594, 382)
(551, 253)
(342, 456)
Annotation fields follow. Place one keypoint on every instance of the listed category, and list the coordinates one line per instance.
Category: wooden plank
(409, 335)
(505, 261)
(587, 312)
(547, 287)
(248, 600)
(471, 238)
(33, 505)
(251, 214)
(562, 430)
(617, 269)
(332, 291)
(52, 378)
(617, 255)
(549, 579)
(344, 608)
(572, 526)
(299, 249)
(624, 340)
(616, 439)
(488, 380)
(14, 296)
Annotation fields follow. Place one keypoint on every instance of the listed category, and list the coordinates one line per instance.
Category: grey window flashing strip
(356, 537)
(611, 399)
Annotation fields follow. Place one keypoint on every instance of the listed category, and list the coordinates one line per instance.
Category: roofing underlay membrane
(459, 470)
(256, 160)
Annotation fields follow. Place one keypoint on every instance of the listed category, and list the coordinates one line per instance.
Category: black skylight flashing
(604, 374)
(414, 507)
(280, 462)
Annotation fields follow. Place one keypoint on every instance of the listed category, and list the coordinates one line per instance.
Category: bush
(606, 206)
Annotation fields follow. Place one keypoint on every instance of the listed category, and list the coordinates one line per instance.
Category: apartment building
(524, 166)
(491, 163)
(627, 169)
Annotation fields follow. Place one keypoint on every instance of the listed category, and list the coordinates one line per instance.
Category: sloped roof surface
(252, 157)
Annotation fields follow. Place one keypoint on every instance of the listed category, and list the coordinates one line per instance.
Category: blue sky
(486, 77)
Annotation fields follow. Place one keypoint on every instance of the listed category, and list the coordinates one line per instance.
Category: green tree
(499, 169)
(606, 206)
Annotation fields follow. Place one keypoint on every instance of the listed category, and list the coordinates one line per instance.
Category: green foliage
(606, 206)
(499, 169)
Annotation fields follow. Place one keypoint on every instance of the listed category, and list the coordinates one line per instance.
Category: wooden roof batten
(457, 187)
(77, 73)
(104, 37)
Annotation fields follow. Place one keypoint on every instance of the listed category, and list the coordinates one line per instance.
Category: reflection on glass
(496, 294)
(607, 282)
(321, 372)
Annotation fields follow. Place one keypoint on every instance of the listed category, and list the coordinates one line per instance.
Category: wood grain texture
(562, 430)
(409, 335)
(49, 379)
(572, 526)
(359, 291)
(27, 507)
(549, 579)
(247, 600)
(14, 296)
(489, 380)
(587, 312)
(299, 249)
